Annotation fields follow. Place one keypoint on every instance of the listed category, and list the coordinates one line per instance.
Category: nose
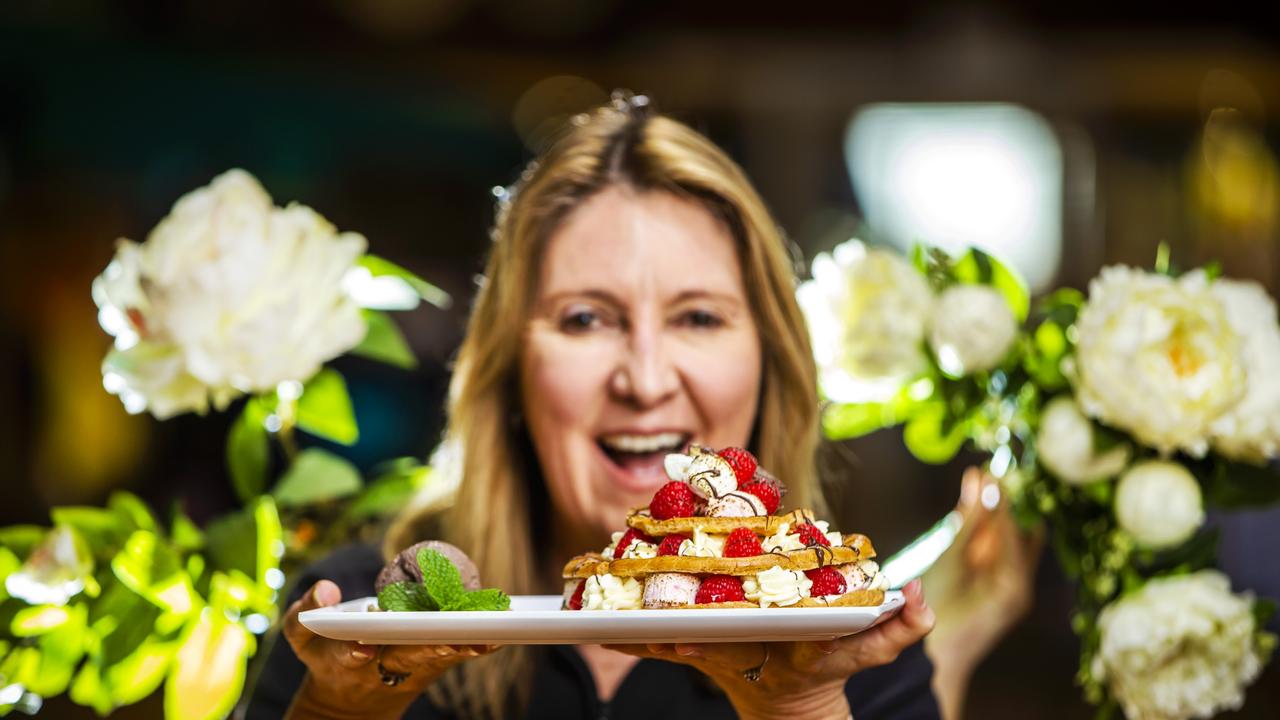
(646, 374)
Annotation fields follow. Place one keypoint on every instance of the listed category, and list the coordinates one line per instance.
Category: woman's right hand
(344, 679)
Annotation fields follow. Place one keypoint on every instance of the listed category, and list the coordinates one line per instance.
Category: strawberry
(767, 493)
(810, 535)
(826, 581)
(670, 544)
(743, 463)
(675, 499)
(630, 536)
(742, 543)
(575, 602)
(719, 588)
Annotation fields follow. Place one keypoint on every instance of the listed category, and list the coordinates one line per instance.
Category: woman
(638, 297)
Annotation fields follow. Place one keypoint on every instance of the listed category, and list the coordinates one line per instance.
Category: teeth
(643, 443)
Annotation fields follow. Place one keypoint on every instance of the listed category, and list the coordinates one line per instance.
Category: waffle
(855, 548)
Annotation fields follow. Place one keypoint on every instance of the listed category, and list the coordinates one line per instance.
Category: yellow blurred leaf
(38, 620)
(207, 675)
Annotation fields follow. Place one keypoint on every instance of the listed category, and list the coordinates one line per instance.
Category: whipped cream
(640, 550)
(663, 590)
(608, 592)
(702, 545)
(776, 586)
(782, 540)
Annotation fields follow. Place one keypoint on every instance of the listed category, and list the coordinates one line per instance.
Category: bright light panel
(954, 176)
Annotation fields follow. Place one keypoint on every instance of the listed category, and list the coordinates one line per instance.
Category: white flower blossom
(1157, 358)
(228, 295)
(972, 329)
(1180, 647)
(1250, 430)
(868, 311)
(1159, 504)
(1064, 445)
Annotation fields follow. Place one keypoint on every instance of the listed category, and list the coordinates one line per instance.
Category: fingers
(409, 658)
(882, 644)
(323, 594)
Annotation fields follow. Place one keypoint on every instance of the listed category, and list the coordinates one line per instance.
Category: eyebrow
(607, 296)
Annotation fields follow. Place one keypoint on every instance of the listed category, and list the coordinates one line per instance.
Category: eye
(581, 320)
(701, 319)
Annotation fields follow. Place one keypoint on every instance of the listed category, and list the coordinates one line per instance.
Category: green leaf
(440, 577)
(60, 651)
(932, 436)
(316, 476)
(850, 420)
(186, 536)
(406, 597)
(249, 541)
(387, 494)
(1236, 485)
(133, 513)
(38, 620)
(978, 267)
(378, 267)
(384, 342)
(325, 409)
(102, 529)
(137, 676)
(248, 451)
(207, 673)
(22, 539)
(486, 599)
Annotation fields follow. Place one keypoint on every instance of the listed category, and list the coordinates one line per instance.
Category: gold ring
(753, 674)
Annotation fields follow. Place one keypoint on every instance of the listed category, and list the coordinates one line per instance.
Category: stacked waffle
(711, 538)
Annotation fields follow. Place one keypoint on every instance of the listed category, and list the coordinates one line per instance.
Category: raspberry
(767, 493)
(630, 536)
(719, 588)
(675, 499)
(810, 535)
(575, 602)
(671, 544)
(743, 463)
(742, 543)
(826, 581)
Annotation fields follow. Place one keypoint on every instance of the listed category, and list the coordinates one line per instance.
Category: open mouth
(642, 454)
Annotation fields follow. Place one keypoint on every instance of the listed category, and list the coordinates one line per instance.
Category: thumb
(323, 594)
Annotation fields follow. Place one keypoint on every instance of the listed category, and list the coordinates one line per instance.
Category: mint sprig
(441, 589)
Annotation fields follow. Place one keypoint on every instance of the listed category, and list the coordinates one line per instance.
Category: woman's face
(640, 340)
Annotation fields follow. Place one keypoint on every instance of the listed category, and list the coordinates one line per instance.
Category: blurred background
(1060, 137)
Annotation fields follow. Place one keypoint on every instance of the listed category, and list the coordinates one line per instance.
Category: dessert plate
(538, 620)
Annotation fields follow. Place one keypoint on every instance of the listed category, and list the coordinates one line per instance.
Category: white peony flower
(1250, 430)
(228, 295)
(1180, 647)
(1159, 504)
(972, 329)
(868, 311)
(1156, 357)
(1065, 445)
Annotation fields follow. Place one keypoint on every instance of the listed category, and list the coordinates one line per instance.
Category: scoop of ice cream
(404, 567)
(736, 504)
(708, 474)
(664, 590)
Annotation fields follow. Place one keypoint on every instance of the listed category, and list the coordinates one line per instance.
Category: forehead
(631, 241)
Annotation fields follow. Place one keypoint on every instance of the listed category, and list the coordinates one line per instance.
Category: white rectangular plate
(538, 620)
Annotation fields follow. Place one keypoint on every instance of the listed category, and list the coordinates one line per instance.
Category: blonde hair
(495, 510)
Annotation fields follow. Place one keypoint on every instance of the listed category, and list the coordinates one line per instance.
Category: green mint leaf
(405, 596)
(487, 599)
(441, 579)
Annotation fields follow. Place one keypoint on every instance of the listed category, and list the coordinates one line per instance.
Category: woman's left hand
(799, 680)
